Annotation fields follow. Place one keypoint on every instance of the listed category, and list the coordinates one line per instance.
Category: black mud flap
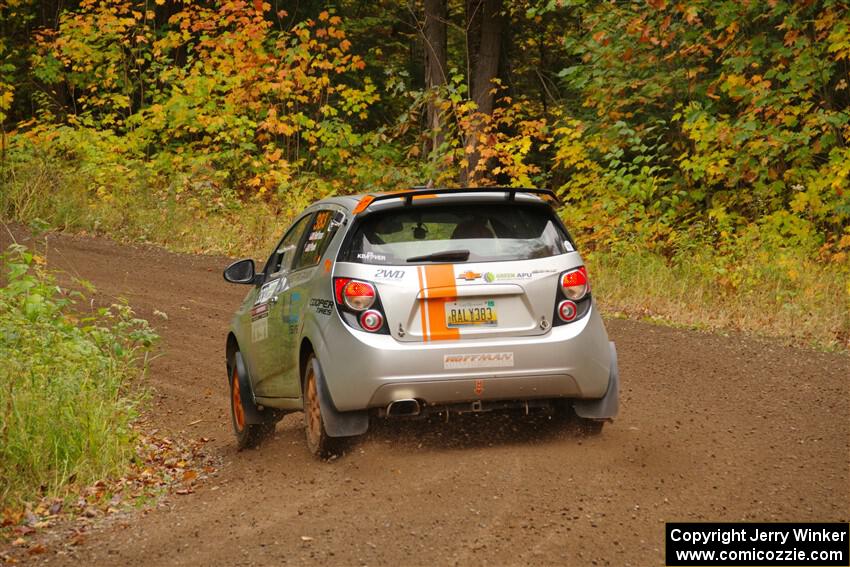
(608, 405)
(338, 423)
(253, 415)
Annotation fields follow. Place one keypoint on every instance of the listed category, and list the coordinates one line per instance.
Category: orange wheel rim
(314, 416)
(238, 411)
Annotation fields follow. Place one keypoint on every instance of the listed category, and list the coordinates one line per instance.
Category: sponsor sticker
(501, 276)
(321, 306)
(371, 256)
(260, 322)
(480, 360)
(267, 291)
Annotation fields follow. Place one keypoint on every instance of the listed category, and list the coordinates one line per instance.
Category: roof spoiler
(409, 194)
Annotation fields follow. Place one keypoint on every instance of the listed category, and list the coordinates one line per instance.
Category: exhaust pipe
(403, 408)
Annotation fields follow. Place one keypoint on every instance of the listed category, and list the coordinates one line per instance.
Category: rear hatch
(456, 272)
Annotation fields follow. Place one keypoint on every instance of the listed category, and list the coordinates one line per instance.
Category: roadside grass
(68, 395)
(790, 297)
(761, 289)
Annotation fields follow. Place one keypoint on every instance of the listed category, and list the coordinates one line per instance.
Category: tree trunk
(486, 69)
(434, 33)
(487, 62)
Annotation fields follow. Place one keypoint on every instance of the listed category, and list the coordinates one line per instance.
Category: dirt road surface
(712, 428)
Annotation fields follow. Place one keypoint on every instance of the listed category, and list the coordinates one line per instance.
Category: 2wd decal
(389, 274)
(480, 360)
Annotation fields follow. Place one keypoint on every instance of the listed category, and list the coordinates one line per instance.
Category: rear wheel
(319, 442)
(247, 434)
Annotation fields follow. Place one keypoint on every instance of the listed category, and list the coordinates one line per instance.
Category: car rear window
(490, 232)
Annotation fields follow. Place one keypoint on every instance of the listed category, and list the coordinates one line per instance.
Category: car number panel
(471, 313)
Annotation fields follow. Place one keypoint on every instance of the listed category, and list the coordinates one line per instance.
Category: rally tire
(319, 443)
(248, 435)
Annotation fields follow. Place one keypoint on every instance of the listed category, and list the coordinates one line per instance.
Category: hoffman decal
(321, 306)
(389, 274)
(482, 360)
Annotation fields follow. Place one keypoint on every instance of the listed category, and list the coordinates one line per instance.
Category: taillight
(567, 310)
(572, 299)
(358, 295)
(574, 284)
(360, 305)
(339, 283)
(371, 320)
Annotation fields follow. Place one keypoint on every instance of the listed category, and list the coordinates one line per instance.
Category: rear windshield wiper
(445, 256)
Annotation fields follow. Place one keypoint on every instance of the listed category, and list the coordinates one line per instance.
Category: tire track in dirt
(711, 428)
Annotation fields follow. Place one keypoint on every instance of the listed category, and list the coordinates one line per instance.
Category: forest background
(700, 146)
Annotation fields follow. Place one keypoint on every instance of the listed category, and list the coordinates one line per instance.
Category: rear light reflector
(339, 283)
(371, 320)
(574, 284)
(567, 310)
(358, 295)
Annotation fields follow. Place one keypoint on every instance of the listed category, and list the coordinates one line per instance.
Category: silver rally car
(415, 302)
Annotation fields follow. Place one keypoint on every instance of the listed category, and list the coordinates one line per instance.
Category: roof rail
(409, 194)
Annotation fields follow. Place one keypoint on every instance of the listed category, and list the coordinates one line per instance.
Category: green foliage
(65, 406)
(716, 114)
(694, 131)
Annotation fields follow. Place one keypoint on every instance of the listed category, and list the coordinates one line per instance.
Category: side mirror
(241, 272)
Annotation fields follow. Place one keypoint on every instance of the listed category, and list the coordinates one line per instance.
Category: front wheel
(248, 435)
(319, 442)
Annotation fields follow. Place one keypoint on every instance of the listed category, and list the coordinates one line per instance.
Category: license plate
(462, 314)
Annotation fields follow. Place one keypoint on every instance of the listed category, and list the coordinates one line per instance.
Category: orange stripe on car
(422, 300)
(440, 276)
(363, 204)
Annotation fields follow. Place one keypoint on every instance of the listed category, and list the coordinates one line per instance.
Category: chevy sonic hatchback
(406, 304)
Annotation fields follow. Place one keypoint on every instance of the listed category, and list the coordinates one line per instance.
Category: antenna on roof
(430, 184)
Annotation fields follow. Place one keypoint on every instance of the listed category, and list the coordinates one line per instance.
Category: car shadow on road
(490, 429)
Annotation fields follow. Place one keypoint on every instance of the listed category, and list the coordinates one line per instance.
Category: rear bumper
(363, 370)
